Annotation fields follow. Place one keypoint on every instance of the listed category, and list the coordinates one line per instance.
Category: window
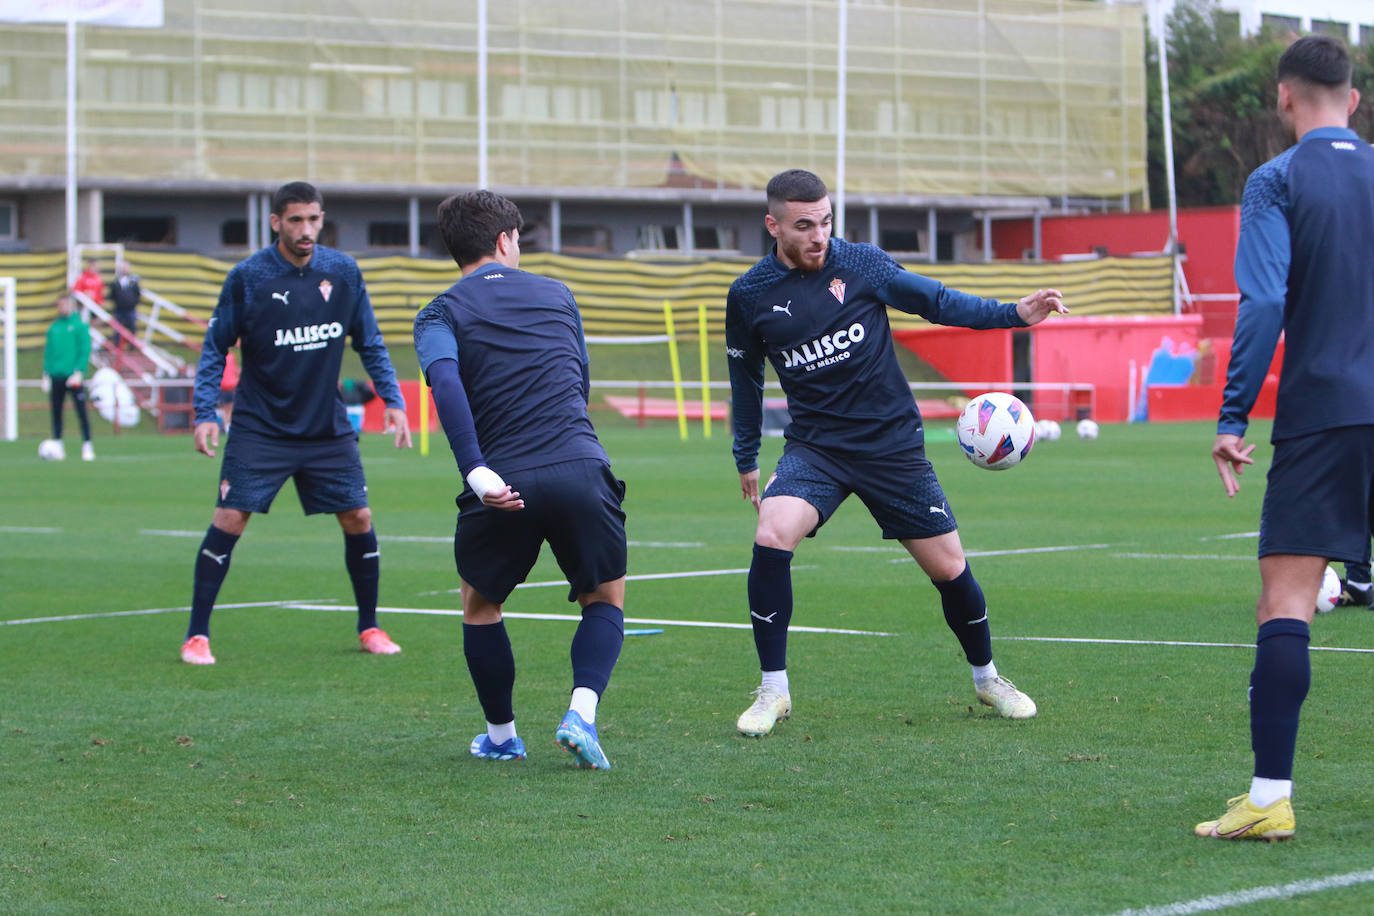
(1281, 24)
(900, 240)
(388, 234)
(669, 238)
(586, 239)
(1328, 27)
(233, 233)
(9, 221)
(153, 230)
(396, 234)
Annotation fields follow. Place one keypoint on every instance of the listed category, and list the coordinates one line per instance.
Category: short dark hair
(472, 221)
(1318, 60)
(295, 192)
(795, 185)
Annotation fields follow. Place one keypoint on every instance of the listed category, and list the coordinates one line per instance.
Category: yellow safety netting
(617, 297)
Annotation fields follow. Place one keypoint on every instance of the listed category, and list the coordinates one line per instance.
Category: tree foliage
(1224, 98)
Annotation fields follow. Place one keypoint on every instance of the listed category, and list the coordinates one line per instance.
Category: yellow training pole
(705, 372)
(677, 371)
(424, 414)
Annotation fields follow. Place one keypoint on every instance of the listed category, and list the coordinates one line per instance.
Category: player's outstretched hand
(207, 437)
(394, 419)
(1231, 455)
(1040, 304)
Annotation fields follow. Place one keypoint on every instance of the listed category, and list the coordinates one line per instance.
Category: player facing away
(816, 308)
(289, 306)
(504, 353)
(1303, 268)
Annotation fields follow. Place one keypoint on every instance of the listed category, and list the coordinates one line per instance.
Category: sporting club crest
(325, 289)
(837, 290)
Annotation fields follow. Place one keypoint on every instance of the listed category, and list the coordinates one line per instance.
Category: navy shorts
(574, 506)
(1318, 499)
(903, 495)
(328, 473)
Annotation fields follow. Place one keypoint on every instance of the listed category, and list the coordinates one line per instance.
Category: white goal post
(11, 350)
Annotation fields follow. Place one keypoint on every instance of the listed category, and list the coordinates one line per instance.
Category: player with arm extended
(1303, 268)
(505, 355)
(816, 308)
(290, 306)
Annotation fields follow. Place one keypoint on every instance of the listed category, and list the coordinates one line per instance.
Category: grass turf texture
(299, 775)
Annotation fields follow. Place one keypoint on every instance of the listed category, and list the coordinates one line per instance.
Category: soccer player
(1303, 268)
(289, 306)
(815, 307)
(504, 353)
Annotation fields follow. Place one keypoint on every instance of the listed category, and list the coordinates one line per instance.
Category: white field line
(642, 577)
(710, 624)
(17, 529)
(1163, 642)
(1021, 550)
(171, 533)
(1232, 537)
(1255, 895)
(155, 610)
(1183, 556)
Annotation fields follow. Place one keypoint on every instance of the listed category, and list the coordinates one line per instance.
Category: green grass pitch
(301, 776)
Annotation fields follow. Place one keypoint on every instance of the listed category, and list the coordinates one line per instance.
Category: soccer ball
(1047, 429)
(1330, 591)
(1087, 429)
(996, 431)
(51, 450)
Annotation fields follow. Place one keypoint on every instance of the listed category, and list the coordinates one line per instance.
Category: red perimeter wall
(1097, 351)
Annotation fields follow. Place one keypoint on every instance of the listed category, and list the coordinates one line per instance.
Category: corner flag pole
(424, 414)
(677, 371)
(705, 372)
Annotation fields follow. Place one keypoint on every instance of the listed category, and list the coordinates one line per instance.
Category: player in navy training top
(815, 307)
(289, 307)
(504, 353)
(1303, 266)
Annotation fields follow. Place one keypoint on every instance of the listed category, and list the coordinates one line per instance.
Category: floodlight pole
(1167, 129)
(71, 143)
(841, 116)
(481, 93)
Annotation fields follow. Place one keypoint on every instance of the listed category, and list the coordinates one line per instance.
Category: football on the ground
(1087, 429)
(51, 450)
(1047, 429)
(1330, 591)
(996, 431)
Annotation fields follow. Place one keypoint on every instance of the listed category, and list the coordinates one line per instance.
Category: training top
(827, 336)
(68, 347)
(290, 323)
(522, 361)
(1303, 266)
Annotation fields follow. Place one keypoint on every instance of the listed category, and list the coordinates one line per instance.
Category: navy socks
(492, 666)
(212, 564)
(966, 612)
(364, 563)
(1278, 686)
(596, 645)
(770, 604)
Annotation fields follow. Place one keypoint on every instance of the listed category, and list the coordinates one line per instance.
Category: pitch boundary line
(1165, 642)
(1255, 895)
